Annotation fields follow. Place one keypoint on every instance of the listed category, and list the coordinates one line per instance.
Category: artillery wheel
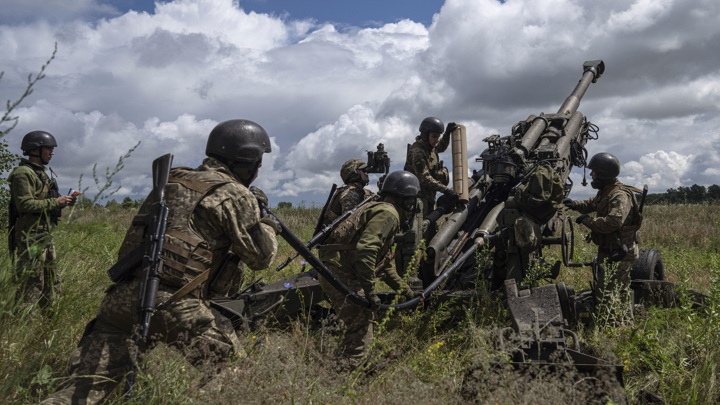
(567, 240)
(648, 266)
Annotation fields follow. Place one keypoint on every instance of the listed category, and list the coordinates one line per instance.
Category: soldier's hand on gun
(374, 303)
(570, 203)
(410, 294)
(452, 194)
(259, 195)
(451, 126)
(582, 218)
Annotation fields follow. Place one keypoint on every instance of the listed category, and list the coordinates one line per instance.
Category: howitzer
(324, 232)
(152, 263)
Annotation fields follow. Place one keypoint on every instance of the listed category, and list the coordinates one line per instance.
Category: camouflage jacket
(616, 221)
(29, 194)
(422, 161)
(378, 222)
(345, 199)
(224, 219)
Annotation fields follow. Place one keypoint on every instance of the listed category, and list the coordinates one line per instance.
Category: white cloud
(327, 94)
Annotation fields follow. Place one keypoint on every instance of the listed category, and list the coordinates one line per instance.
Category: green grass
(673, 353)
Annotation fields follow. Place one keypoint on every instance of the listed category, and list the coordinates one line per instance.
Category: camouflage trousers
(36, 272)
(102, 358)
(357, 321)
(613, 278)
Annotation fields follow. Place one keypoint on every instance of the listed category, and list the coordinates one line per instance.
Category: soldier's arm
(381, 226)
(252, 240)
(22, 190)
(585, 206)
(390, 276)
(620, 208)
(421, 168)
(443, 143)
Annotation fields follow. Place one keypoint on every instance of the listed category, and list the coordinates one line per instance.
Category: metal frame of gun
(151, 263)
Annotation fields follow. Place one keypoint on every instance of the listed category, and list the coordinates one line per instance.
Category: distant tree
(284, 204)
(696, 193)
(127, 203)
(713, 192)
(112, 204)
(83, 202)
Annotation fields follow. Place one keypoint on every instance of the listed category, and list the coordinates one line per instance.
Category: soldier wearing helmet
(35, 207)
(214, 229)
(357, 252)
(422, 161)
(615, 225)
(354, 174)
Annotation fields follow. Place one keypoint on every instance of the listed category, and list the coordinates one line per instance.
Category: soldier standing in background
(356, 251)
(35, 207)
(422, 161)
(614, 229)
(355, 176)
(214, 226)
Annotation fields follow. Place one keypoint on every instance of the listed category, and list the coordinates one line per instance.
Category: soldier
(35, 207)
(422, 161)
(214, 225)
(357, 250)
(615, 226)
(354, 174)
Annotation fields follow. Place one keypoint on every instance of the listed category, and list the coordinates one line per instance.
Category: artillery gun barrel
(592, 70)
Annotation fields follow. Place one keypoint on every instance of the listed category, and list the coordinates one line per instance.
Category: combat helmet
(349, 172)
(37, 139)
(238, 141)
(401, 183)
(430, 124)
(605, 165)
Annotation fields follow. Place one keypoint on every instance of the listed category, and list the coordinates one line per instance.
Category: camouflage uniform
(346, 198)
(34, 195)
(357, 265)
(616, 207)
(226, 219)
(422, 161)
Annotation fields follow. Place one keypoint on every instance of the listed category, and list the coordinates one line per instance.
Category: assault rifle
(155, 224)
(320, 236)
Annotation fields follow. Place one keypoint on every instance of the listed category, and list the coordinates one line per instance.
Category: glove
(569, 202)
(270, 220)
(451, 126)
(409, 294)
(582, 218)
(451, 194)
(259, 195)
(374, 303)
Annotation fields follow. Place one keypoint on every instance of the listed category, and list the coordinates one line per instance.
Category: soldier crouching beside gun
(214, 225)
(615, 227)
(358, 249)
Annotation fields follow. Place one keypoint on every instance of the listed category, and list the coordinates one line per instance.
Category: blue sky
(329, 83)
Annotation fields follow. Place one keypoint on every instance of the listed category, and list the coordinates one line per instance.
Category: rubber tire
(649, 266)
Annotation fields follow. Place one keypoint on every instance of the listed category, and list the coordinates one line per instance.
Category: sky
(330, 80)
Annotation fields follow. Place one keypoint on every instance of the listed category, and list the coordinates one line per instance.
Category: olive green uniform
(223, 217)
(35, 262)
(614, 225)
(422, 161)
(357, 264)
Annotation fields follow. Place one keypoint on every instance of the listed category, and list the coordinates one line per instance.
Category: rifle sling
(194, 283)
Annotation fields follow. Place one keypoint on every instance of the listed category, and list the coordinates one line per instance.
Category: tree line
(694, 194)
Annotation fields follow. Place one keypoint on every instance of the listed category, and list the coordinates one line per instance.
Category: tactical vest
(633, 221)
(348, 232)
(49, 189)
(185, 253)
(435, 166)
(335, 207)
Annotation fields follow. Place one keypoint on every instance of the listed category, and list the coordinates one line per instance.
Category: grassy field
(673, 353)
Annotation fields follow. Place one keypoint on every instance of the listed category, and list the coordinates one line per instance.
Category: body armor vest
(335, 207)
(185, 253)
